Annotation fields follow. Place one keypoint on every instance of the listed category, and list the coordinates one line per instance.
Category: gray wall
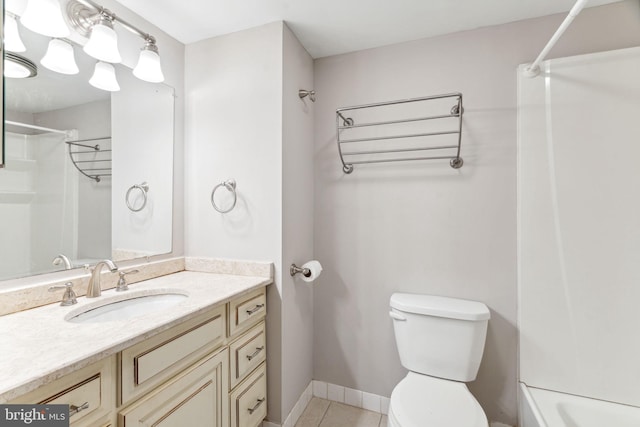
(234, 130)
(297, 220)
(245, 121)
(424, 227)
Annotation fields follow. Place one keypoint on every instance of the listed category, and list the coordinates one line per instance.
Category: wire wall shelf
(427, 128)
(92, 161)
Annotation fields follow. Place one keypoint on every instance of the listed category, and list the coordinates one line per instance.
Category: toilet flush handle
(397, 316)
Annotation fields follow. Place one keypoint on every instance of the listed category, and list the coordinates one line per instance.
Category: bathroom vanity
(200, 362)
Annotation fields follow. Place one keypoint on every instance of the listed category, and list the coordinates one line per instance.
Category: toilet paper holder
(294, 269)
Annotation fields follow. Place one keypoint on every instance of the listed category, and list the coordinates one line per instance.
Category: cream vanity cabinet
(208, 371)
(89, 392)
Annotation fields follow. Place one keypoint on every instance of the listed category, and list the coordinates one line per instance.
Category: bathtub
(544, 408)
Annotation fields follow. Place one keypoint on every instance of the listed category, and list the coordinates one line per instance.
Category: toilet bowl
(441, 341)
(424, 401)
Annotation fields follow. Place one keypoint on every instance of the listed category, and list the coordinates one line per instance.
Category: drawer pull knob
(256, 406)
(254, 309)
(73, 409)
(255, 353)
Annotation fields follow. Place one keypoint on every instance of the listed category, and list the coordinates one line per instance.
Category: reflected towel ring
(144, 189)
(230, 185)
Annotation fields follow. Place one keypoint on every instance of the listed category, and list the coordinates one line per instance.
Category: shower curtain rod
(28, 126)
(534, 69)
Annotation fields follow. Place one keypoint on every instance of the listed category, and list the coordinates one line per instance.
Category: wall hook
(310, 93)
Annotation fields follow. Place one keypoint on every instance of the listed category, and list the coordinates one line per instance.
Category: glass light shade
(103, 43)
(15, 71)
(16, 7)
(45, 17)
(18, 67)
(104, 77)
(12, 40)
(148, 67)
(60, 58)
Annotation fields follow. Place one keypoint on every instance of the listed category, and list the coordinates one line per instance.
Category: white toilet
(440, 341)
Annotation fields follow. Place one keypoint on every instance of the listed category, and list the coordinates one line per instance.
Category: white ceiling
(330, 27)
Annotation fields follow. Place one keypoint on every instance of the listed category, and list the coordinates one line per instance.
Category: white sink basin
(119, 308)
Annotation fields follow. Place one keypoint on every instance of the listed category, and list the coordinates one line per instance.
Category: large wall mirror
(88, 173)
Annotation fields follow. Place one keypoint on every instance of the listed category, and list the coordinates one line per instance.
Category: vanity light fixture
(12, 39)
(18, 67)
(148, 67)
(103, 40)
(60, 57)
(45, 17)
(90, 20)
(104, 77)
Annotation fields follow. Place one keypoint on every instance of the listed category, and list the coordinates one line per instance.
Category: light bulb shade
(60, 58)
(16, 7)
(148, 67)
(45, 17)
(12, 40)
(104, 77)
(18, 67)
(103, 43)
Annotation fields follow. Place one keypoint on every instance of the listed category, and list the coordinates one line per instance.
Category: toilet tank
(439, 336)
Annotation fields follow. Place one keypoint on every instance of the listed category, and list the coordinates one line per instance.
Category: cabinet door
(198, 397)
(90, 393)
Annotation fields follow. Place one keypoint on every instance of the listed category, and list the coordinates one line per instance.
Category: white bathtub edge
(528, 407)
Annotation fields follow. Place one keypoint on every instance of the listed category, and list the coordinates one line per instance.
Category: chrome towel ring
(144, 189)
(230, 185)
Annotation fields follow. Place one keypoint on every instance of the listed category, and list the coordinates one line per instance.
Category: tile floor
(324, 413)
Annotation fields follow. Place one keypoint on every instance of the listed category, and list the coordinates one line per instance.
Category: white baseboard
(349, 396)
(337, 393)
(298, 409)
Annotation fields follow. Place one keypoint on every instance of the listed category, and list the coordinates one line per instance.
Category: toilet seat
(424, 401)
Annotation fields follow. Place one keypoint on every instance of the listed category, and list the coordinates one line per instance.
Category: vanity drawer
(151, 362)
(89, 392)
(249, 401)
(247, 352)
(247, 310)
(196, 397)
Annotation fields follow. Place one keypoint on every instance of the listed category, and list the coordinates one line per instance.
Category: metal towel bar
(93, 163)
(371, 153)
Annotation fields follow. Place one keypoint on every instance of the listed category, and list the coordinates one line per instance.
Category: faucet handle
(122, 282)
(69, 297)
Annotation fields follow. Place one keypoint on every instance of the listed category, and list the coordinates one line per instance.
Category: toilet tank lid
(432, 305)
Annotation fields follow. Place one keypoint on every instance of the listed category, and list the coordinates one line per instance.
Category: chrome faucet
(62, 258)
(94, 289)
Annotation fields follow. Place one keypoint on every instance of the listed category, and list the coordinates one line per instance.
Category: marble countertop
(39, 345)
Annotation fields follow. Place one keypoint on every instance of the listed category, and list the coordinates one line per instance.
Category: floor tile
(340, 415)
(383, 421)
(313, 413)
